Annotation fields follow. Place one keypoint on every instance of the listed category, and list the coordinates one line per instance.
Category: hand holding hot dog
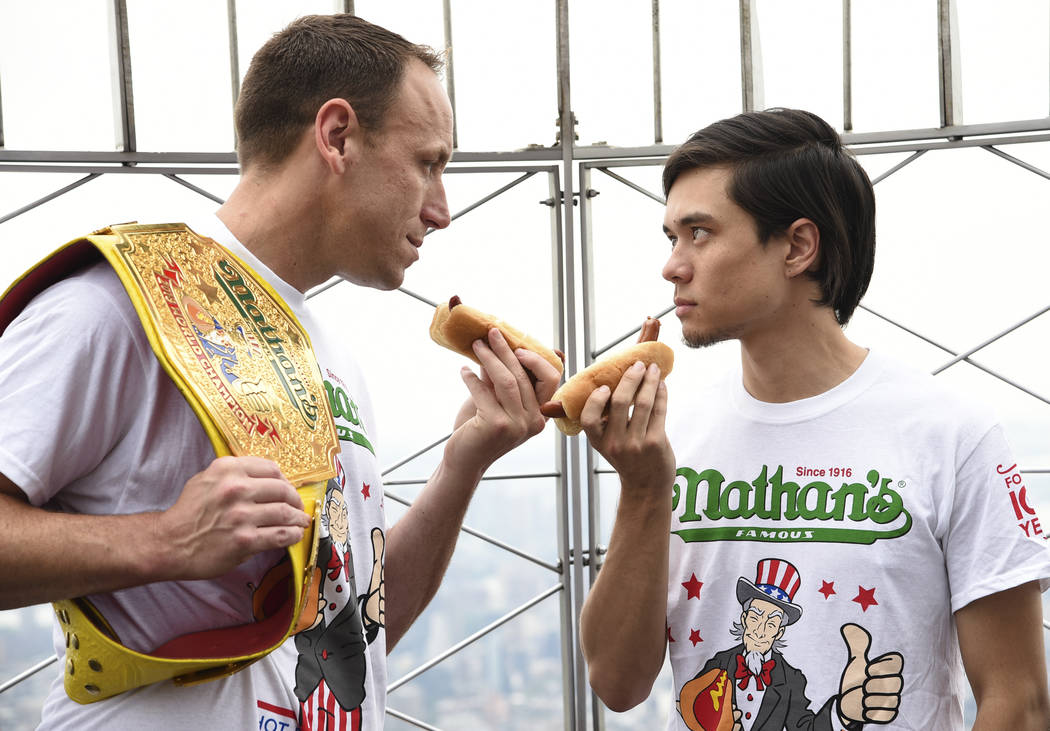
(518, 373)
(566, 406)
(624, 413)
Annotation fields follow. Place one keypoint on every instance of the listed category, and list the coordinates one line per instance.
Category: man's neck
(802, 358)
(270, 221)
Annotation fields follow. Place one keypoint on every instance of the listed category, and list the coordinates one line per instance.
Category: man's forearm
(234, 509)
(420, 545)
(1001, 641)
(46, 556)
(623, 622)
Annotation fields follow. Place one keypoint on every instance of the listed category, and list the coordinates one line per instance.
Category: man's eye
(698, 232)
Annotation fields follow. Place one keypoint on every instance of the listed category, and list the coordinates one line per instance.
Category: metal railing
(563, 163)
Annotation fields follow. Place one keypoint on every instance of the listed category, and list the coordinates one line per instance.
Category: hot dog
(456, 326)
(567, 402)
(706, 702)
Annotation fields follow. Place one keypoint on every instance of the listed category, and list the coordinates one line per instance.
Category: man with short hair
(108, 482)
(818, 458)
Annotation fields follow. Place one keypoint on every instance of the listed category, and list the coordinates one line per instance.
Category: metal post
(593, 495)
(235, 66)
(564, 482)
(847, 65)
(576, 712)
(450, 73)
(1, 116)
(750, 57)
(658, 123)
(348, 7)
(950, 78)
(121, 58)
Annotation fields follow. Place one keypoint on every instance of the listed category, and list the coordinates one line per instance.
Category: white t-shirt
(885, 503)
(92, 424)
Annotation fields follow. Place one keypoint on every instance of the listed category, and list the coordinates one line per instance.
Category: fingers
(250, 466)
(592, 416)
(633, 400)
(547, 377)
(480, 393)
(645, 401)
(270, 538)
(257, 480)
(508, 378)
(889, 665)
(638, 405)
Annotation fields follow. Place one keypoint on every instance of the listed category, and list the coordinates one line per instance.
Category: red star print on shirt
(365, 488)
(692, 587)
(695, 637)
(865, 597)
(827, 588)
(669, 637)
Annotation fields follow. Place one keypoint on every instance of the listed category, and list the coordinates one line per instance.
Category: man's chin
(383, 282)
(706, 338)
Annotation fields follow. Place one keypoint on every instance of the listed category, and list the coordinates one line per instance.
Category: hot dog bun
(608, 371)
(456, 326)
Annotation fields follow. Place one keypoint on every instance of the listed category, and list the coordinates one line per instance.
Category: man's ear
(337, 134)
(803, 238)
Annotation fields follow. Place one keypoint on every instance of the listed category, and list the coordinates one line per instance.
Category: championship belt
(245, 365)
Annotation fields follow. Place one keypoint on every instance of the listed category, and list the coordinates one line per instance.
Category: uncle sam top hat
(776, 581)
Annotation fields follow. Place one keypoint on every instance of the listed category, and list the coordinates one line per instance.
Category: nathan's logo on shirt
(788, 511)
(344, 407)
(243, 298)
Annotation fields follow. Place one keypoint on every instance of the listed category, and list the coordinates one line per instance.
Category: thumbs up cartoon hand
(870, 691)
(375, 601)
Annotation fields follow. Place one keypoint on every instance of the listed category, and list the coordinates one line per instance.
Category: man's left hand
(503, 410)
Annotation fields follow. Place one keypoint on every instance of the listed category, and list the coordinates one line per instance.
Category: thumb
(858, 641)
(479, 392)
(851, 687)
(378, 545)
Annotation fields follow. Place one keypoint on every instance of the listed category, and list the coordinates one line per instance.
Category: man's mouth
(682, 306)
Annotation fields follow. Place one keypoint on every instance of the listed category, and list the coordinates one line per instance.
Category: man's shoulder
(90, 304)
(932, 397)
(96, 289)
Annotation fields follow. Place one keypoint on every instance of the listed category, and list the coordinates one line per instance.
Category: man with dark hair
(898, 498)
(109, 486)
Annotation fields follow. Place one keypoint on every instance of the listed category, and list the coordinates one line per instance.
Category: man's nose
(676, 269)
(435, 208)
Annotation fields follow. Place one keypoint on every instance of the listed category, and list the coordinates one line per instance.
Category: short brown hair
(314, 59)
(788, 164)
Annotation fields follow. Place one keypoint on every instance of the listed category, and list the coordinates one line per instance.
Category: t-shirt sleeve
(71, 372)
(995, 539)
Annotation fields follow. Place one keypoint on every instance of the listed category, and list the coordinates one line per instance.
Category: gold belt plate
(232, 346)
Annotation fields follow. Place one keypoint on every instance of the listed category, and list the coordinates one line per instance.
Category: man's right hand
(234, 509)
(627, 428)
